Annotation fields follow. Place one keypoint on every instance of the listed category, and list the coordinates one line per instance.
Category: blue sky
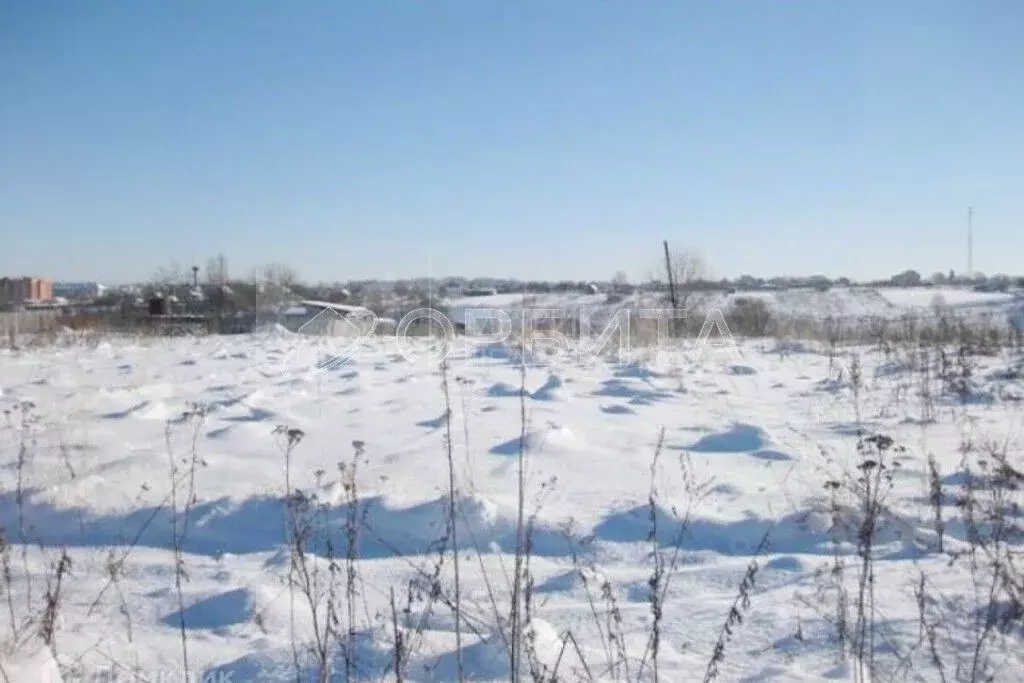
(549, 139)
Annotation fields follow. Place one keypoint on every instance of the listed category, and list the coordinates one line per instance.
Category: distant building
(18, 291)
(324, 318)
(78, 289)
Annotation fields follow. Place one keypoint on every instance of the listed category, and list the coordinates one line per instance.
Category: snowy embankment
(846, 303)
(161, 471)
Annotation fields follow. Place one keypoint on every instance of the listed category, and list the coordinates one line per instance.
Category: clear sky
(548, 139)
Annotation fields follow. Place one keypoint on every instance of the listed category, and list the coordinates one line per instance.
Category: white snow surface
(851, 303)
(750, 437)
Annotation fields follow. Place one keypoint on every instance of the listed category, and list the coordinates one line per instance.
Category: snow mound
(551, 438)
(740, 438)
(617, 409)
(146, 410)
(636, 371)
(216, 611)
(565, 582)
(504, 389)
(552, 390)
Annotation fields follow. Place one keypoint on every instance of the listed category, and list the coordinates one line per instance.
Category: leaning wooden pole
(671, 285)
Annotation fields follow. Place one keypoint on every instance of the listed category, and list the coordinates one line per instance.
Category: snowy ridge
(838, 302)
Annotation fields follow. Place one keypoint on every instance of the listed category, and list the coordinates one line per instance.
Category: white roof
(342, 308)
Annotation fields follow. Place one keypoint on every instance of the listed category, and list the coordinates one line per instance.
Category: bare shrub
(750, 317)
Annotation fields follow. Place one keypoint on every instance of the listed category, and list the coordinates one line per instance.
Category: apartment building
(18, 290)
(77, 289)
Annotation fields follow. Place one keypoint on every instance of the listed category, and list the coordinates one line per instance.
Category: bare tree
(276, 275)
(217, 270)
(682, 268)
(172, 274)
(273, 283)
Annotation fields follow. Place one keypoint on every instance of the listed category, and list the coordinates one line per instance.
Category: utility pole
(970, 241)
(671, 288)
(671, 279)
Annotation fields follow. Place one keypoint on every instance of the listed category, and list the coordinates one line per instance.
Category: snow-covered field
(850, 303)
(93, 438)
